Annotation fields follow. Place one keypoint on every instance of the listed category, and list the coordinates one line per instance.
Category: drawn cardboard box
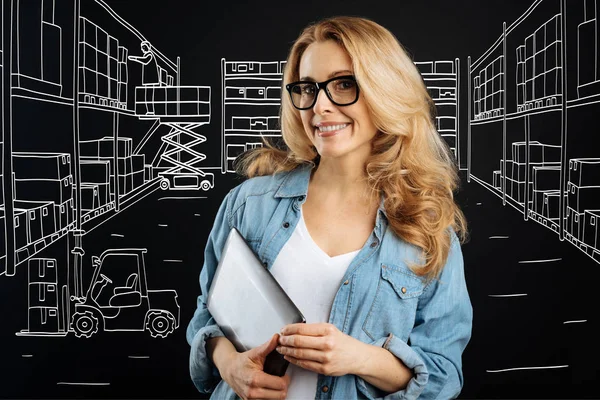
(89, 196)
(591, 233)
(64, 214)
(55, 190)
(43, 319)
(106, 147)
(42, 270)
(41, 216)
(42, 294)
(37, 165)
(584, 172)
(20, 225)
(550, 206)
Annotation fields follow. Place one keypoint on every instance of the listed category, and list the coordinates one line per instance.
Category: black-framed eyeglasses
(341, 90)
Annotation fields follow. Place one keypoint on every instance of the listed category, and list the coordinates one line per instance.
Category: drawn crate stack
(487, 94)
(103, 67)
(98, 170)
(582, 199)
(43, 310)
(43, 204)
(38, 65)
(543, 163)
(538, 68)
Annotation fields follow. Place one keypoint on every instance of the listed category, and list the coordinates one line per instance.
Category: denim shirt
(380, 301)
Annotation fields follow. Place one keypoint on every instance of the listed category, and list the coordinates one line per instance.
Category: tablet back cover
(247, 302)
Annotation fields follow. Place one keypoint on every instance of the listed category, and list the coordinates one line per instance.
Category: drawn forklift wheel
(160, 323)
(205, 185)
(84, 324)
(164, 184)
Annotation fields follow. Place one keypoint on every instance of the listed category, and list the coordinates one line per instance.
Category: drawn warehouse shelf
(250, 109)
(528, 101)
(442, 79)
(76, 69)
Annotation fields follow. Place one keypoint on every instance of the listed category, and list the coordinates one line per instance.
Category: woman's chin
(332, 152)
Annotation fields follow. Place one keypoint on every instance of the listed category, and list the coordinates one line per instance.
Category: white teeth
(332, 128)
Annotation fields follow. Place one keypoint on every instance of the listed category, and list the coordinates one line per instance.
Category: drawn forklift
(118, 298)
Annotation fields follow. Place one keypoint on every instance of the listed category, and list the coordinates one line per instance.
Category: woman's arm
(244, 371)
(324, 349)
(202, 327)
(220, 350)
(442, 330)
(382, 369)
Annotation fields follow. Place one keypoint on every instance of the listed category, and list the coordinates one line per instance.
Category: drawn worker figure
(150, 73)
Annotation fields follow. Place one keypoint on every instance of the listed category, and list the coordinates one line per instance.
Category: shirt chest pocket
(395, 303)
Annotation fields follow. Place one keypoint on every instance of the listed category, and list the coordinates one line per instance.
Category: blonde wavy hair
(410, 164)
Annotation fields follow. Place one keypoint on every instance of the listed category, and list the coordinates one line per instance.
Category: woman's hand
(321, 348)
(244, 373)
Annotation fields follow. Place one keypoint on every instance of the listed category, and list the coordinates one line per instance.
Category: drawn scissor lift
(183, 109)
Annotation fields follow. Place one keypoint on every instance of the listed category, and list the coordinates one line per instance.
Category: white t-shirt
(311, 278)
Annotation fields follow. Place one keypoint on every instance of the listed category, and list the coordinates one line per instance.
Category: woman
(356, 220)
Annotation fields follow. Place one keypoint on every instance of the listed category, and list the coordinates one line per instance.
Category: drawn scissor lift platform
(182, 109)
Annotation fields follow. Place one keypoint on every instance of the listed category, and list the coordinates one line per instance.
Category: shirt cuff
(411, 359)
(203, 372)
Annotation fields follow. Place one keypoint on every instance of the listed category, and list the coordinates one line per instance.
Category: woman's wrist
(221, 351)
(363, 355)
(381, 368)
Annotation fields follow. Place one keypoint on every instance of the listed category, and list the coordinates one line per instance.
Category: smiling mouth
(330, 129)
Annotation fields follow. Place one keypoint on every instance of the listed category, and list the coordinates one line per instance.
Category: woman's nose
(322, 103)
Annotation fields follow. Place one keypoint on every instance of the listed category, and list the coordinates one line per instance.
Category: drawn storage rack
(70, 160)
(533, 97)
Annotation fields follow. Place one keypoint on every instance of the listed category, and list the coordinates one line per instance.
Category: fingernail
(278, 348)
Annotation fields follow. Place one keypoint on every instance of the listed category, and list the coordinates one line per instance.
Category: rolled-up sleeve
(202, 326)
(441, 333)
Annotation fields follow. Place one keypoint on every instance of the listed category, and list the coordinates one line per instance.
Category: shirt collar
(295, 184)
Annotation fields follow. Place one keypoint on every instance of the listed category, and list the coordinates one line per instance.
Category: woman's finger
(266, 381)
(303, 354)
(309, 342)
(306, 364)
(262, 393)
(316, 329)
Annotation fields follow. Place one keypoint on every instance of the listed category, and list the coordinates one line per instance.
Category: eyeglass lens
(341, 91)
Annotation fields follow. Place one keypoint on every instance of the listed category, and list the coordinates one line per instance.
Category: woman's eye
(345, 85)
(308, 89)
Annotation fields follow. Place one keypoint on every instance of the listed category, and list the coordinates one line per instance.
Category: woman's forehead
(322, 60)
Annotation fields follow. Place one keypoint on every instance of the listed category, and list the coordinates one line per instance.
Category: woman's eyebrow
(331, 75)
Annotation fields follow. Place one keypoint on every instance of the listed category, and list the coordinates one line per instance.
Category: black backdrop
(531, 279)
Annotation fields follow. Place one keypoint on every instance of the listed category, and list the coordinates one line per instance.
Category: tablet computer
(247, 302)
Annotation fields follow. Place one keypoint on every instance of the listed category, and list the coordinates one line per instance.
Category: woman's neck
(338, 180)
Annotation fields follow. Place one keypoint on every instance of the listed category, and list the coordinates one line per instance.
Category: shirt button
(374, 244)
(403, 290)
(325, 389)
(286, 225)
(347, 282)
